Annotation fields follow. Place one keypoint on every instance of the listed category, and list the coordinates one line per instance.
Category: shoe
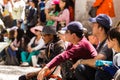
(25, 64)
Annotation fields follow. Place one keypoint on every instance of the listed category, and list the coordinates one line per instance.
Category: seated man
(79, 48)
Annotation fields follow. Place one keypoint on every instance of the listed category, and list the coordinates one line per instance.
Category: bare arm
(89, 62)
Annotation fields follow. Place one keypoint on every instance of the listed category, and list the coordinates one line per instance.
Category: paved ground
(13, 72)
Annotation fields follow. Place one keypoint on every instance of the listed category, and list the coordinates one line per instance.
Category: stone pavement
(13, 72)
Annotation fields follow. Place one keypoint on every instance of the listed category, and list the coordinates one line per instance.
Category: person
(79, 48)
(15, 45)
(92, 38)
(31, 17)
(105, 7)
(113, 41)
(101, 25)
(53, 46)
(55, 9)
(63, 17)
(33, 47)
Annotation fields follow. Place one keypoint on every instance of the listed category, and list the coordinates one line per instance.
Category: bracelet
(80, 61)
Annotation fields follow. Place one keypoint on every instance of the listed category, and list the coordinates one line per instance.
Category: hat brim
(92, 20)
(39, 28)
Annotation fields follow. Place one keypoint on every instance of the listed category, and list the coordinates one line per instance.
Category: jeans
(84, 72)
(102, 75)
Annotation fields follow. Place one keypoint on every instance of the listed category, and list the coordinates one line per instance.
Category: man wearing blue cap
(79, 48)
(101, 25)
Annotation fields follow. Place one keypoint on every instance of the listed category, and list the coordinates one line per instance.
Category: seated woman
(15, 36)
(34, 46)
(114, 42)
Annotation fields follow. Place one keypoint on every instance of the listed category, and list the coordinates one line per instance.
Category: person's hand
(76, 64)
(42, 73)
(52, 17)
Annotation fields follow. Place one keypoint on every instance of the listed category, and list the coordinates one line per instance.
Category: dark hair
(11, 35)
(114, 33)
(106, 29)
(4, 31)
(79, 34)
(20, 34)
(57, 8)
(66, 4)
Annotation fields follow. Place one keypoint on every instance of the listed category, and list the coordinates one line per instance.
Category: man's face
(68, 36)
(47, 37)
(95, 29)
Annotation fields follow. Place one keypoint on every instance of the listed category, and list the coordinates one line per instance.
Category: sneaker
(25, 64)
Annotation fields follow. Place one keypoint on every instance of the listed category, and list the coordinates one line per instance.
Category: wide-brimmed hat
(39, 28)
(49, 30)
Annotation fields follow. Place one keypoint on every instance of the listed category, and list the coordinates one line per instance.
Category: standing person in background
(64, 15)
(17, 10)
(105, 7)
(41, 12)
(101, 25)
(55, 9)
(31, 18)
(7, 13)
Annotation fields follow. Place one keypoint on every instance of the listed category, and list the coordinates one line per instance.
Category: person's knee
(80, 68)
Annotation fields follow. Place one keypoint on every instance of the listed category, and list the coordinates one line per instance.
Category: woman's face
(53, 6)
(62, 4)
(37, 33)
(110, 43)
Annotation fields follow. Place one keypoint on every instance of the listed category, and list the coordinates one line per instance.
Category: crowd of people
(45, 30)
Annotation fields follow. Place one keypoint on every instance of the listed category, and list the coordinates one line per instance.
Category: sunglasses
(36, 30)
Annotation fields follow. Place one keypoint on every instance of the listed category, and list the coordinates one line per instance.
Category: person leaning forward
(79, 48)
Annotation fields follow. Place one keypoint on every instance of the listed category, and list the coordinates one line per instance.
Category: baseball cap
(55, 1)
(74, 26)
(103, 20)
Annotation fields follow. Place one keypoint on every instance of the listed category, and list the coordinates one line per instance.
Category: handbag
(93, 10)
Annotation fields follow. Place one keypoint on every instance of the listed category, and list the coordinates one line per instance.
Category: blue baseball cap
(103, 20)
(74, 26)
